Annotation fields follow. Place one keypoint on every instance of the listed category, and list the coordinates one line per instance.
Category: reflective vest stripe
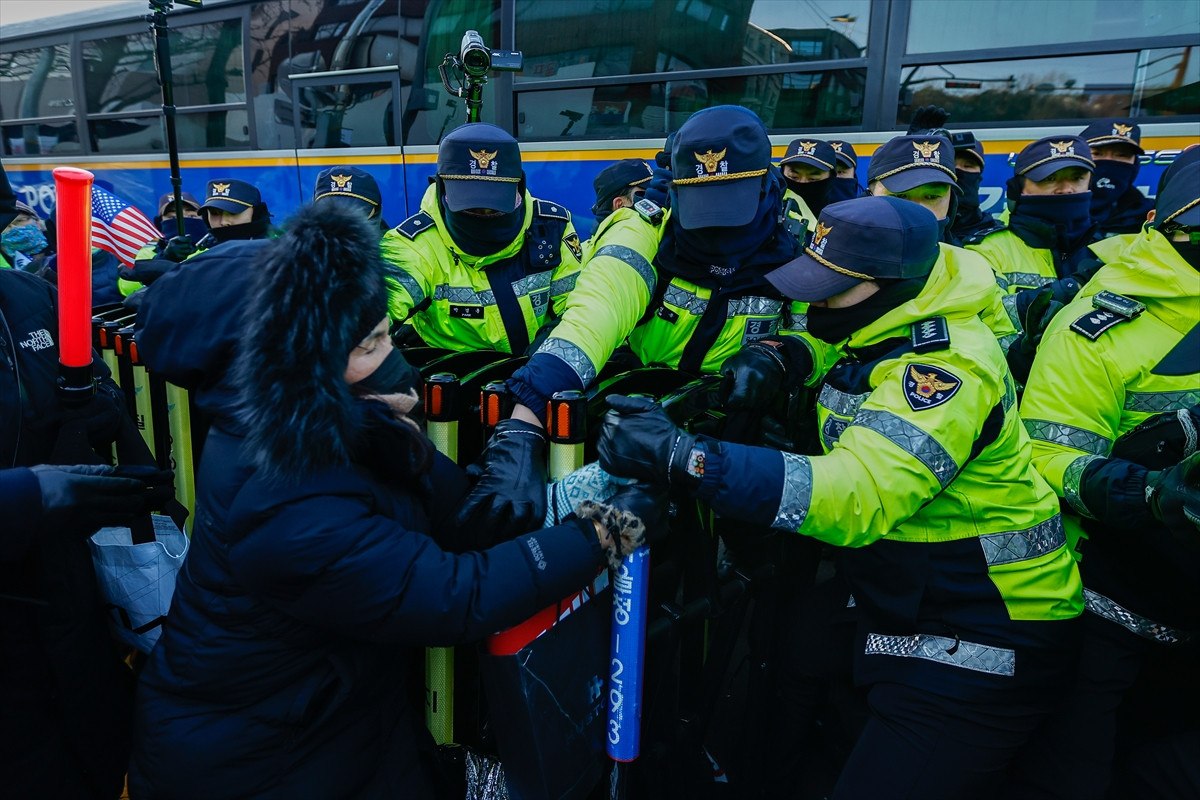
(1005, 548)
(797, 492)
(954, 652)
(912, 439)
(631, 258)
(574, 357)
(1113, 611)
(1158, 402)
(1068, 435)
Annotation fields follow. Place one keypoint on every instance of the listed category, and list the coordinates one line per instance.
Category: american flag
(118, 227)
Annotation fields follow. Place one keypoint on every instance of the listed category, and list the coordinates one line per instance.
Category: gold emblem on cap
(483, 157)
(220, 189)
(1066, 148)
(837, 146)
(710, 159)
(821, 232)
(340, 182)
(1121, 130)
(927, 149)
(928, 384)
(808, 147)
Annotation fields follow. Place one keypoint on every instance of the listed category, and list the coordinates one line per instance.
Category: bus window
(637, 37)
(936, 26)
(1168, 82)
(293, 39)
(784, 101)
(36, 102)
(124, 101)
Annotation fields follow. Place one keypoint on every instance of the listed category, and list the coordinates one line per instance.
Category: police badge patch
(927, 387)
(572, 242)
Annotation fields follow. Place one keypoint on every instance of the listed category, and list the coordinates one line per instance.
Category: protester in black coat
(320, 556)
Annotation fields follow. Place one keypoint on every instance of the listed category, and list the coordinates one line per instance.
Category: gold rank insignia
(482, 157)
(340, 183)
(1066, 148)
(927, 149)
(1121, 130)
(808, 148)
(710, 160)
(837, 146)
(220, 189)
(927, 387)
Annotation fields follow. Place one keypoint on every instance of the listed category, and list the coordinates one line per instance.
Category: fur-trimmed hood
(318, 290)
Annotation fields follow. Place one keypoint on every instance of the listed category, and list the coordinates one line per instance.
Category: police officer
(1117, 205)
(845, 180)
(620, 185)
(965, 588)
(232, 211)
(1123, 351)
(170, 247)
(808, 167)
(1049, 226)
(970, 223)
(351, 188)
(484, 263)
(689, 293)
(920, 168)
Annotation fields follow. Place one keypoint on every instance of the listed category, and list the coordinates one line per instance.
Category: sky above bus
(12, 11)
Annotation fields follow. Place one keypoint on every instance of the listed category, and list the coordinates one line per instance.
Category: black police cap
(351, 183)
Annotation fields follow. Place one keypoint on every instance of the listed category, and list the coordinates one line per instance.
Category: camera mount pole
(162, 62)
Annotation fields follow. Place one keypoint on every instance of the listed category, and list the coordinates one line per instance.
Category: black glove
(1035, 309)
(88, 497)
(658, 190)
(134, 301)
(178, 248)
(756, 374)
(646, 502)
(1173, 495)
(101, 416)
(927, 119)
(510, 497)
(634, 516)
(638, 440)
(147, 270)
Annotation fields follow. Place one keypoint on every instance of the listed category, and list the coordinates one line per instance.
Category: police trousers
(924, 746)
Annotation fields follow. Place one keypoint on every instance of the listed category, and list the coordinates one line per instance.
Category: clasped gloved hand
(638, 440)
(1035, 310)
(755, 375)
(178, 248)
(147, 270)
(101, 416)
(510, 496)
(1173, 495)
(90, 497)
(635, 515)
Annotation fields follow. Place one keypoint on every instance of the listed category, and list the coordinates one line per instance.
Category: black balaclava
(814, 193)
(968, 204)
(1110, 180)
(483, 236)
(834, 325)
(1069, 216)
(256, 228)
(193, 227)
(843, 189)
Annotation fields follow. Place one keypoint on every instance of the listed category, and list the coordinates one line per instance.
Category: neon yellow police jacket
(451, 297)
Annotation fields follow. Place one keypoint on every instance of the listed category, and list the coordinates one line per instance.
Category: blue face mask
(27, 239)
(194, 227)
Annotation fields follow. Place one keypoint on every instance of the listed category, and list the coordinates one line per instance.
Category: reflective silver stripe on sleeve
(682, 298)
(1158, 402)
(754, 307)
(464, 295)
(796, 322)
(1113, 611)
(1071, 477)
(531, 283)
(408, 283)
(797, 492)
(954, 652)
(632, 258)
(576, 359)
(841, 403)
(1009, 301)
(1026, 280)
(1010, 393)
(1005, 548)
(1006, 342)
(1068, 435)
(912, 439)
(563, 285)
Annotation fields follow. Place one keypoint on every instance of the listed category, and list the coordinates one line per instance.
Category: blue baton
(631, 594)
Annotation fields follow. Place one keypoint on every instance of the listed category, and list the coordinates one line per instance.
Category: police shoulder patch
(417, 223)
(1094, 323)
(927, 387)
(571, 240)
(930, 334)
(547, 208)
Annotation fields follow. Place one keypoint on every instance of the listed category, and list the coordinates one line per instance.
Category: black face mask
(1110, 180)
(394, 375)
(814, 193)
(482, 236)
(1189, 252)
(969, 182)
(843, 189)
(256, 228)
(1070, 214)
(834, 325)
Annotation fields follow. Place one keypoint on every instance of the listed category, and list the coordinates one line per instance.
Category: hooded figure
(317, 561)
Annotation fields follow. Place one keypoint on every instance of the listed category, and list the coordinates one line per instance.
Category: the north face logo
(38, 340)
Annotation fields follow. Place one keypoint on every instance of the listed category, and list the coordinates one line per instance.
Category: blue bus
(274, 91)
